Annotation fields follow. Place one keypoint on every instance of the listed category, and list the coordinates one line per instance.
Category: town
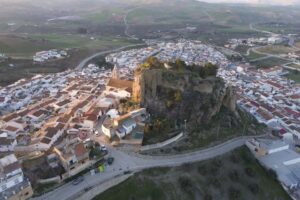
(60, 125)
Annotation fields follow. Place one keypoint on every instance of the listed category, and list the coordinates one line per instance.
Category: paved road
(136, 162)
(258, 30)
(83, 63)
(126, 32)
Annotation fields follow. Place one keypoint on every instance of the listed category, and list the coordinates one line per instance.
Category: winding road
(84, 62)
(268, 55)
(136, 162)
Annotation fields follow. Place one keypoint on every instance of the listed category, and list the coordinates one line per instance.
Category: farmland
(26, 46)
(276, 49)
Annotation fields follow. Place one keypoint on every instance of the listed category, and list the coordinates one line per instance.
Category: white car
(97, 133)
(103, 147)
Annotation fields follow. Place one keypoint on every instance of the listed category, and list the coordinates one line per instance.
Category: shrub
(249, 172)
(185, 184)
(234, 175)
(208, 197)
(234, 193)
(202, 169)
(253, 187)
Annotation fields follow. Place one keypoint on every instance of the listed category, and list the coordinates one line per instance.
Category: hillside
(233, 176)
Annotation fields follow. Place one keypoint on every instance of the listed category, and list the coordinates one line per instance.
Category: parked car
(103, 147)
(78, 180)
(110, 160)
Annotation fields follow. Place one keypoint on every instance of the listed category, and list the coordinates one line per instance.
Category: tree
(180, 65)
(210, 69)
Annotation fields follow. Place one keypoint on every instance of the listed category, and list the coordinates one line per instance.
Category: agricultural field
(276, 49)
(294, 65)
(252, 55)
(25, 68)
(27, 46)
(294, 75)
(280, 27)
(269, 62)
(235, 175)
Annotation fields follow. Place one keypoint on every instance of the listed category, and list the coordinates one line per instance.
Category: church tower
(115, 73)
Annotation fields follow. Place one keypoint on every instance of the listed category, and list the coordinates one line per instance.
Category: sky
(273, 2)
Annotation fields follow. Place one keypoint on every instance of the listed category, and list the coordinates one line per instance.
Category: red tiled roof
(80, 150)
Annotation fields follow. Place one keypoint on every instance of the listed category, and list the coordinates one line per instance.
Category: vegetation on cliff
(205, 71)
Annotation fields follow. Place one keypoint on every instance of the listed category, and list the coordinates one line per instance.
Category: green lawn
(235, 175)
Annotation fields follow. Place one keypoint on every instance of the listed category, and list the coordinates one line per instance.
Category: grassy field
(276, 49)
(26, 46)
(294, 65)
(269, 62)
(294, 75)
(254, 55)
(280, 27)
(25, 68)
(235, 175)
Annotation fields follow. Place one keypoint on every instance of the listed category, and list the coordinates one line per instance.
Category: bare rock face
(182, 95)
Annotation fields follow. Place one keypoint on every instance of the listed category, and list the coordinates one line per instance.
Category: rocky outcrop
(182, 95)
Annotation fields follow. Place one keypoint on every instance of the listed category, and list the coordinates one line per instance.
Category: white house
(50, 137)
(10, 172)
(37, 115)
(126, 127)
(21, 125)
(13, 185)
(7, 144)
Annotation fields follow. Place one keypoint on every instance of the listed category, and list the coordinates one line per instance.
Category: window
(4, 187)
(16, 181)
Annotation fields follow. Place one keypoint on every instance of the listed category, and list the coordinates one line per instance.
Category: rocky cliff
(182, 94)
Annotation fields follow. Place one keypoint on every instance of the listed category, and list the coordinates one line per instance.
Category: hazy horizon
(271, 2)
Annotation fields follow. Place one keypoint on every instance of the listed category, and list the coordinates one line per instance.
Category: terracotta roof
(92, 117)
(6, 141)
(11, 167)
(80, 150)
(264, 114)
(10, 117)
(295, 96)
(11, 128)
(64, 119)
(45, 140)
(62, 103)
(51, 131)
(39, 113)
(275, 84)
(120, 84)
